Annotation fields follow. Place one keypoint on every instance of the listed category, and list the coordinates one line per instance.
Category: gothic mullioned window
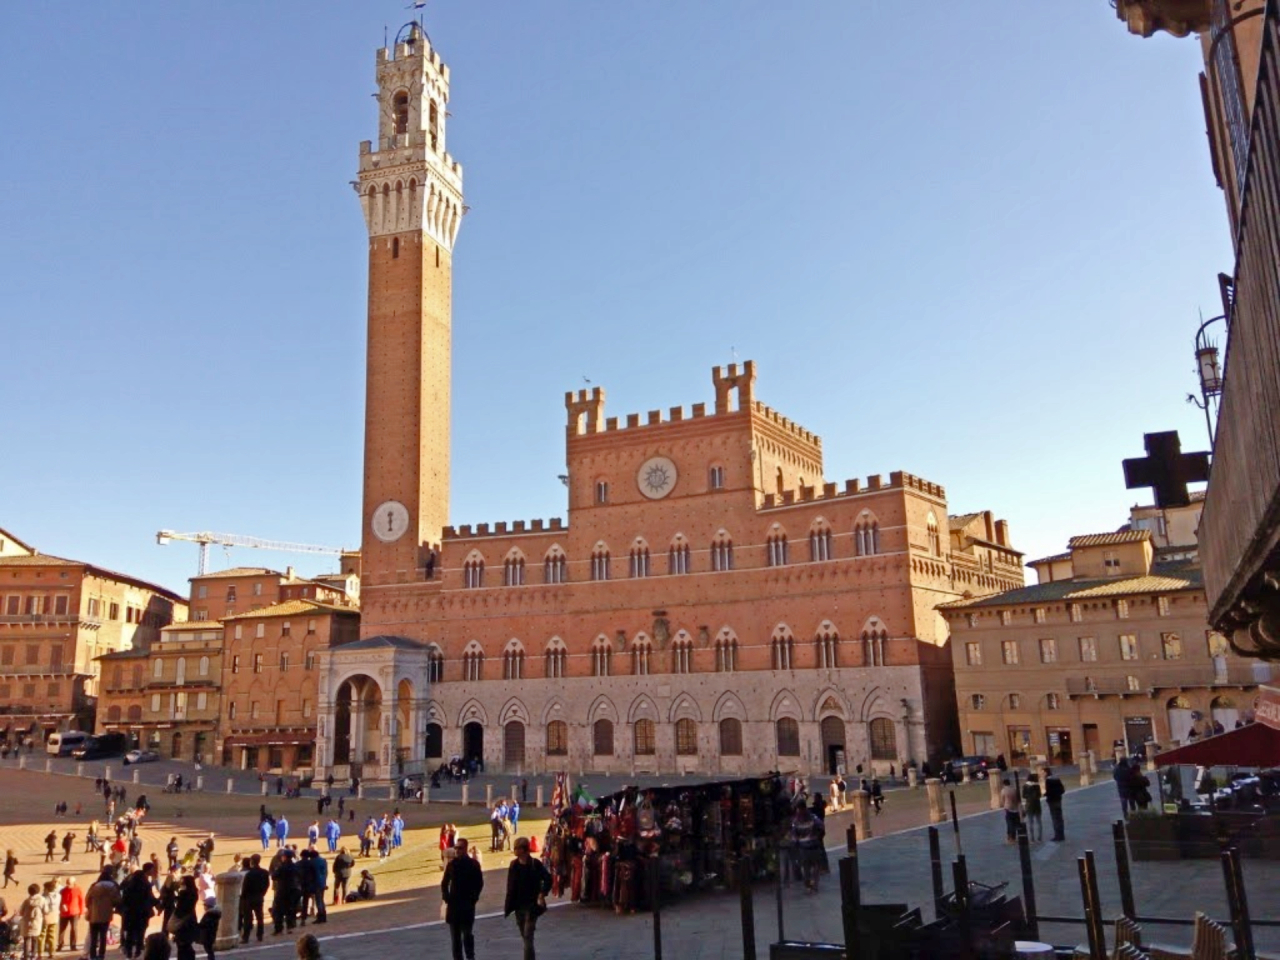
(935, 541)
(639, 561)
(866, 537)
(473, 574)
(513, 662)
(678, 557)
(601, 658)
(820, 543)
(782, 649)
(513, 571)
(715, 480)
(555, 567)
(874, 639)
(726, 653)
(556, 659)
(777, 553)
(722, 553)
(600, 563)
(557, 739)
(682, 656)
(828, 643)
(435, 665)
(473, 663)
(641, 653)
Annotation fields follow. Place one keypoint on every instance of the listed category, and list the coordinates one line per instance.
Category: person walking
(1053, 791)
(313, 834)
(343, 864)
(67, 840)
(101, 901)
(1009, 802)
(70, 910)
(1031, 809)
(331, 834)
(138, 906)
(50, 845)
(264, 834)
(460, 889)
(169, 897)
(528, 884)
(253, 896)
(282, 833)
(1122, 774)
(10, 868)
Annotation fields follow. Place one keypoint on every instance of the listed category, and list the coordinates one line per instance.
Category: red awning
(1256, 745)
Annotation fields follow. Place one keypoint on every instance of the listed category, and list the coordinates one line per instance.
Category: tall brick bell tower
(411, 193)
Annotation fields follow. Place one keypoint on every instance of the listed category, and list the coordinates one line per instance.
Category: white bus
(61, 744)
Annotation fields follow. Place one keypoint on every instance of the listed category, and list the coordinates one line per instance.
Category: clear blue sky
(971, 247)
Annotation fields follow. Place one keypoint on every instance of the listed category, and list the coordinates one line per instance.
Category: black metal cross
(1166, 469)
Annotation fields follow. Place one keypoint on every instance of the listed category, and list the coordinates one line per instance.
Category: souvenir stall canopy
(627, 848)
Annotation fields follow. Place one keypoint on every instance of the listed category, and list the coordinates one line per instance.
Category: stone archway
(833, 743)
(473, 741)
(357, 722)
(513, 746)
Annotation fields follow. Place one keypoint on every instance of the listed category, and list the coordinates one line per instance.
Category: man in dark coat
(460, 889)
(252, 897)
(288, 887)
(528, 884)
(137, 907)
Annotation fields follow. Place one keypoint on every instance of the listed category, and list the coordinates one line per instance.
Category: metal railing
(1239, 525)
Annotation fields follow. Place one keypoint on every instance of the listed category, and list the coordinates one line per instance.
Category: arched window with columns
(935, 540)
(678, 557)
(866, 535)
(641, 654)
(600, 562)
(820, 541)
(473, 572)
(555, 568)
(556, 659)
(828, 644)
(473, 662)
(722, 552)
(513, 661)
(782, 649)
(682, 655)
(640, 559)
(777, 552)
(435, 664)
(513, 570)
(726, 652)
(601, 657)
(875, 638)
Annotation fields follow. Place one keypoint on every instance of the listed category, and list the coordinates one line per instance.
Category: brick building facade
(57, 617)
(712, 602)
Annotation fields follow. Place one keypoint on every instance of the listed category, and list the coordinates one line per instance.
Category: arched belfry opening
(400, 112)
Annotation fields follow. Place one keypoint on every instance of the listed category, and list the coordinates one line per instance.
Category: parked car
(140, 756)
(978, 768)
(101, 746)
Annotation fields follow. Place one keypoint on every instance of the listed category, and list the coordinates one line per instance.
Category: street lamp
(1209, 369)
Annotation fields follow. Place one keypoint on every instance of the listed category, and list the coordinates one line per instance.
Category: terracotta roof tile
(1169, 578)
(1108, 539)
(291, 608)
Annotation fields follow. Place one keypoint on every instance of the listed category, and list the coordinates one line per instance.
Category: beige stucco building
(1112, 645)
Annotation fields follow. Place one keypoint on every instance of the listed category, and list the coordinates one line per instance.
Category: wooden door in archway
(513, 746)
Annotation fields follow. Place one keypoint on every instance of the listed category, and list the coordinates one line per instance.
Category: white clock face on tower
(656, 477)
(390, 521)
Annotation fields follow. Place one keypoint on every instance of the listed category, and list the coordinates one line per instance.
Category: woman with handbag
(528, 884)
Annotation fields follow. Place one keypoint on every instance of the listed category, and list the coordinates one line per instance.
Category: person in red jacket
(70, 911)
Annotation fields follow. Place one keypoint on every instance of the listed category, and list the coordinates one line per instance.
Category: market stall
(624, 849)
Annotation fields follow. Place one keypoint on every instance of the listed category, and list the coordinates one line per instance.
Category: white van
(61, 744)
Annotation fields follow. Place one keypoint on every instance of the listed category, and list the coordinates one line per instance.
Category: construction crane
(235, 540)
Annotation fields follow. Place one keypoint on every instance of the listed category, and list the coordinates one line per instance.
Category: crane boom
(205, 538)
